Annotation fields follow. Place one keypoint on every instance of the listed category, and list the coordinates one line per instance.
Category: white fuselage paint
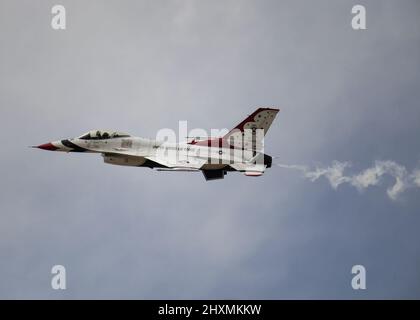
(135, 151)
(241, 149)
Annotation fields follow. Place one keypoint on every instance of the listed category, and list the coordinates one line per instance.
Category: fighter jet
(241, 149)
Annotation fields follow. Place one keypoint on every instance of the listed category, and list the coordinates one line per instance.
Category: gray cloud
(139, 66)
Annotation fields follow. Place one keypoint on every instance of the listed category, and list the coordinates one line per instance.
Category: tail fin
(261, 120)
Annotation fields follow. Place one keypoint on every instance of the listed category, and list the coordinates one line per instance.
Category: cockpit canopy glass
(103, 134)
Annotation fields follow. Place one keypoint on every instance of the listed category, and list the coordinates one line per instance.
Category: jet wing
(191, 163)
(123, 151)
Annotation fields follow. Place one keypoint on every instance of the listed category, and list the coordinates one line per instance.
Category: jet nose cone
(47, 146)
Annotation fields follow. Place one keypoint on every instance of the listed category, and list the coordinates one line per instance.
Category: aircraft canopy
(103, 134)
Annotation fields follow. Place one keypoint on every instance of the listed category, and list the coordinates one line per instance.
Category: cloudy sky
(346, 97)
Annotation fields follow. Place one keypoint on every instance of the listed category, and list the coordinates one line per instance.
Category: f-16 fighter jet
(241, 149)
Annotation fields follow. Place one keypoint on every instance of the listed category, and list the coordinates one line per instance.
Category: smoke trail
(416, 177)
(369, 177)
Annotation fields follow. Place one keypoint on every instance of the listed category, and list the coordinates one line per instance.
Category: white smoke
(416, 177)
(367, 178)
